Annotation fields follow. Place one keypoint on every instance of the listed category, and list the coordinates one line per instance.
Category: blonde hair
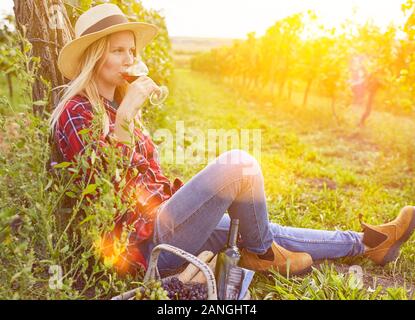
(85, 83)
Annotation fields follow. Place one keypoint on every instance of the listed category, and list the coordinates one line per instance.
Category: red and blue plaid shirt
(149, 188)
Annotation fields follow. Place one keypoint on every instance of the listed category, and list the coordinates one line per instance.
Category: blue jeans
(194, 218)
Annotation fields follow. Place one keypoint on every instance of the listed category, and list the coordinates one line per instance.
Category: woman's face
(119, 56)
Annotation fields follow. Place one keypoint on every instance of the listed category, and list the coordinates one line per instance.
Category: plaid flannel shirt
(149, 188)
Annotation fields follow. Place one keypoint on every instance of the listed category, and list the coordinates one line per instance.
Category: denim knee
(239, 162)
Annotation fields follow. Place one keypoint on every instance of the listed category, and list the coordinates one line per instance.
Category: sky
(236, 18)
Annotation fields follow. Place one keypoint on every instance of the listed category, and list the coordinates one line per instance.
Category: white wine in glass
(139, 69)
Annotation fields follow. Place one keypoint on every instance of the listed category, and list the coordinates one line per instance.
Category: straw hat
(94, 24)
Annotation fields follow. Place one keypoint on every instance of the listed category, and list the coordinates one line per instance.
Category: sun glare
(213, 19)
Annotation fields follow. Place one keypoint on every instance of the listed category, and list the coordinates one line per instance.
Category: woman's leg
(380, 243)
(193, 219)
(320, 244)
(233, 183)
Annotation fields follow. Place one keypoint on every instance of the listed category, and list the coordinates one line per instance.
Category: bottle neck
(233, 233)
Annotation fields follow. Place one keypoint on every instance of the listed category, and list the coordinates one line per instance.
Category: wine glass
(139, 69)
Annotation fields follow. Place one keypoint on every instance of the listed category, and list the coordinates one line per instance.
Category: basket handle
(153, 273)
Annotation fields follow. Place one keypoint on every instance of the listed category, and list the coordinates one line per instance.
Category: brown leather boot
(285, 262)
(385, 240)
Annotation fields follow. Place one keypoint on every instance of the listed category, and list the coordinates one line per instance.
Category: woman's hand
(137, 93)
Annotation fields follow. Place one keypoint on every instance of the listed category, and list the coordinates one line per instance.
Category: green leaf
(87, 219)
(62, 165)
(89, 189)
(11, 69)
(107, 182)
(84, 131)
(70, 194)
(15, 276)
(20, 144)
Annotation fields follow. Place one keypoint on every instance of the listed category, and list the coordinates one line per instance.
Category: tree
(380, 49)
(46, 25)
(333, 70)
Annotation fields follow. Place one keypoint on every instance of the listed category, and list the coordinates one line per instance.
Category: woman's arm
(136, 95)
(78, 116)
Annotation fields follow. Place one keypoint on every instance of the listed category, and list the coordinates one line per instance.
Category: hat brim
(71, 53)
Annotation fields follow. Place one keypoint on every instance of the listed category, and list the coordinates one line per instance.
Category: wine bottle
(228, 258)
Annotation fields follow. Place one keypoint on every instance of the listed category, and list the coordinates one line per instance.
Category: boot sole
(394, 250)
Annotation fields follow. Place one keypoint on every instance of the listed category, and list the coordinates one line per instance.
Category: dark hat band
(105, 23)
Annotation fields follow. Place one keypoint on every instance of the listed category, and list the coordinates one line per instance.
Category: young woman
(190, 216)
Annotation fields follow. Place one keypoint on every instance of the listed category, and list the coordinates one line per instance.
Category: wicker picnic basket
(153, 273)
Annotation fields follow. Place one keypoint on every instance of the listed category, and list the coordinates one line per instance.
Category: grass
(17, 100)
(318, 174)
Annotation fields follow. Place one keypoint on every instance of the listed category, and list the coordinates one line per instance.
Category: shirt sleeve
(78, 116)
